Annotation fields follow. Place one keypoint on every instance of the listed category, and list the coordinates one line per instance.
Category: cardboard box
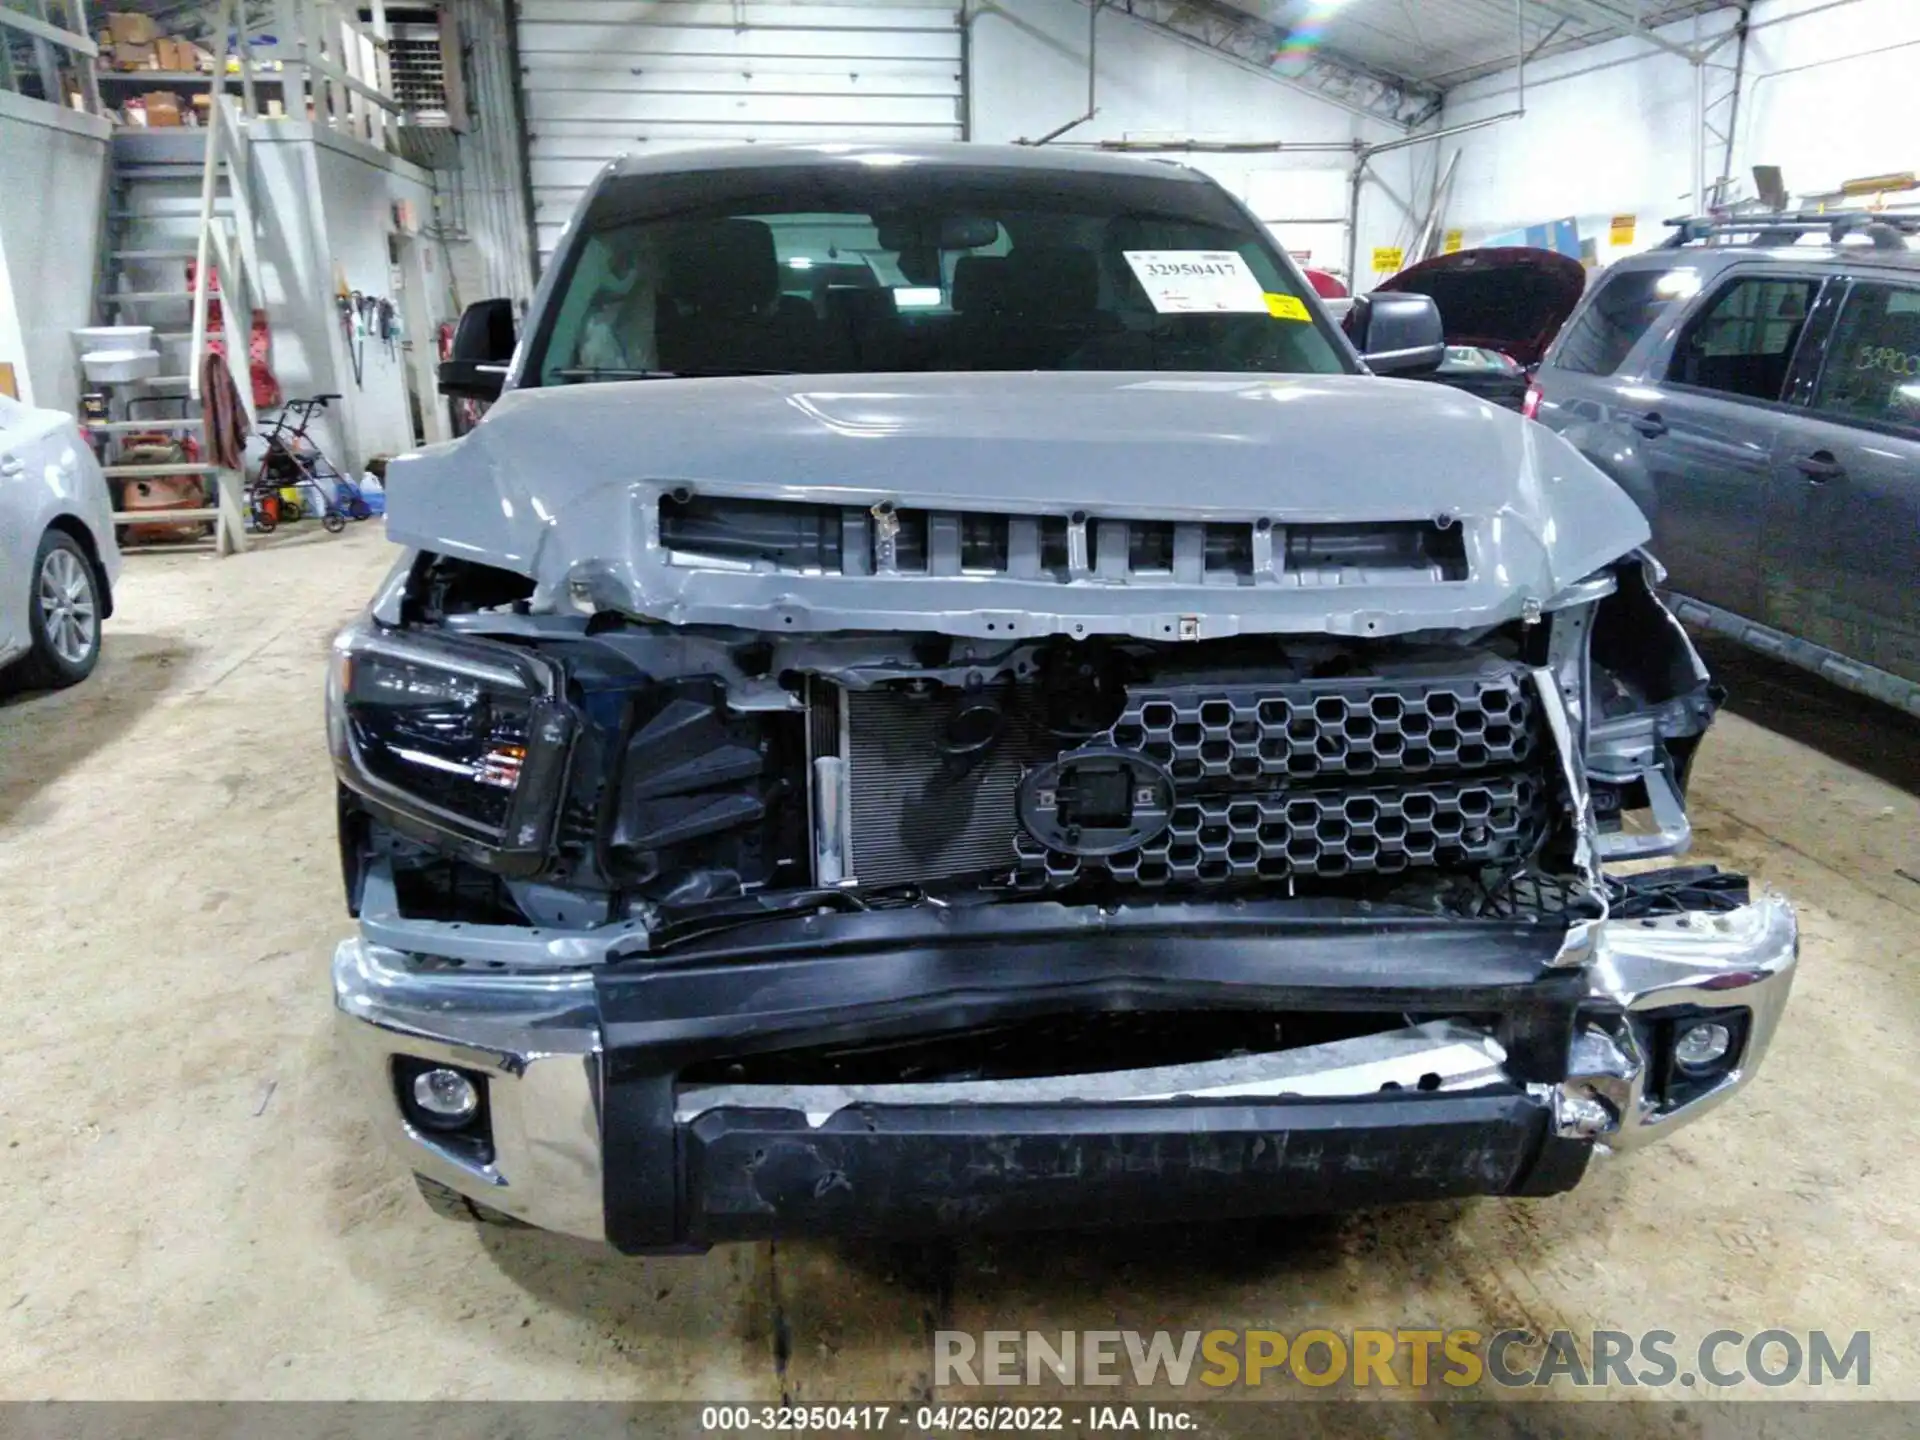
(132, 29)
(135, 55)
(163, 108)
(168, 53)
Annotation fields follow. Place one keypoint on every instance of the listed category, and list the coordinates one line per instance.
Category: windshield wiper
(606, 372)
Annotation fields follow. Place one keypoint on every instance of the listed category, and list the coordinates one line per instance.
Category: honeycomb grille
(1248, 733)
(1328, 777)
(1211, 839)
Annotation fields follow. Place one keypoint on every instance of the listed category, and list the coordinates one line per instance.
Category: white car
(58, 560)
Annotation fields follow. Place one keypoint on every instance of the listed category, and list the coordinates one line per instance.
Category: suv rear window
(1611, 323)
(1873, 364)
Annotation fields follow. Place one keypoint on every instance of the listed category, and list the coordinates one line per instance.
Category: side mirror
(1397, 333)
(482, 351)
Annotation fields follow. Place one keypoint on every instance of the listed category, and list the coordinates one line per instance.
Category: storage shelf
(159, 78)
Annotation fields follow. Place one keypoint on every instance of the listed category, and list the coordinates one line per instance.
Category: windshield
(862, 268)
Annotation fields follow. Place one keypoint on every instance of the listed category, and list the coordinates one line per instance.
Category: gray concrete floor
(188, 1210)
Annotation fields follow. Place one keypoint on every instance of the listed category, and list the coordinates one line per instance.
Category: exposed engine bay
(581, 772)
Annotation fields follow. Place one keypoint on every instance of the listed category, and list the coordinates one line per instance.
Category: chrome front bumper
(537, 1037)
(537, 1040)
(1698, 961)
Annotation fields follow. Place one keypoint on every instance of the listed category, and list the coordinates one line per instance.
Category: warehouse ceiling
(1437, 44)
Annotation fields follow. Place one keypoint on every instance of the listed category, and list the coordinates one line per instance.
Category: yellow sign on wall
(1621, 231)
(1388, 258)
(1454, 241)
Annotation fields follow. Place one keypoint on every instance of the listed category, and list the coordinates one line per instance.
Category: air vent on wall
(423, 55)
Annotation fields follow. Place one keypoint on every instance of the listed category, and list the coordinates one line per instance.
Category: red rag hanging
(266, 385)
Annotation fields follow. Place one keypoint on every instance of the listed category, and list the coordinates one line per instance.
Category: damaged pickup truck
(944, 696)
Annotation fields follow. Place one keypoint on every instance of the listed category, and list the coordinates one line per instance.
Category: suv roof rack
(1888, 232)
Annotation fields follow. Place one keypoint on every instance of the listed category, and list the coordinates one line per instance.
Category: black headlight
(462, 738)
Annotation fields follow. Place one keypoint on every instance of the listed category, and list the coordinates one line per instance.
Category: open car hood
(1507, 298)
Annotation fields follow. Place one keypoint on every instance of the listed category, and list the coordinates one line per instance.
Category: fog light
(1701, 1046)
(448, 1098)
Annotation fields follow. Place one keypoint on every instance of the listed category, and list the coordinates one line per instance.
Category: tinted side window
(1873, 361)
(1741, 342)
(1598, 339)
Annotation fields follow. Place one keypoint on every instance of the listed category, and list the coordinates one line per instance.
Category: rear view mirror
(966, 232)
(482, 352)
(900, 231)
(1397, 333)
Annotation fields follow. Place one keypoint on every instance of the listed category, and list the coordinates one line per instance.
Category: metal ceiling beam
(1093, 80)
(1720, 111)
(1339, 79)
(1624, 25)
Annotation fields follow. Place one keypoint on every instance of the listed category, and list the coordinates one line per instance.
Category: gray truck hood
(563, 485)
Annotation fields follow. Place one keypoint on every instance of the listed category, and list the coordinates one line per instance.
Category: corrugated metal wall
(602, 78)
(481, 207)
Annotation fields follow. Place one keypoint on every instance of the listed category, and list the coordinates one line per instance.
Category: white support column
(380, 71)
(1699, 138)
(293, 67)
(327, 26)
(89, 78)
(422, 354)
(243, 42)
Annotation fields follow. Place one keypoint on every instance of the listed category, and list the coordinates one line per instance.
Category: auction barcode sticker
(1185, 282)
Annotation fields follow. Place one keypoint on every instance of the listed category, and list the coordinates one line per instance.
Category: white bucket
(111, 367)
(114, 337)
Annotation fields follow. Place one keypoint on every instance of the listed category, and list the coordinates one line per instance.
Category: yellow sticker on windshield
(1286, 307)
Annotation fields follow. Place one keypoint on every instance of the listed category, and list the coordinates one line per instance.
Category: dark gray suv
(1760, 398)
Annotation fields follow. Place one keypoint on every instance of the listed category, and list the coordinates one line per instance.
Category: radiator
(911, 819)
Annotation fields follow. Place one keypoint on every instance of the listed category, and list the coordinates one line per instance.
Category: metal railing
(50, 34)
(225, 249)
(336, 74)
(333, 67)
(330, 69)
(340, 74)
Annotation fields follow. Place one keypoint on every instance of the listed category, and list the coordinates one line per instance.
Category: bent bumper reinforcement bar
(592, 1136)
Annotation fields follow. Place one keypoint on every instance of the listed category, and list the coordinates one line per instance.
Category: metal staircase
(178, 204)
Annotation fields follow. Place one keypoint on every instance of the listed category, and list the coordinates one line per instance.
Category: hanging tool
(353, 318)
(348, 302)
(387, 323)
(368, 325)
